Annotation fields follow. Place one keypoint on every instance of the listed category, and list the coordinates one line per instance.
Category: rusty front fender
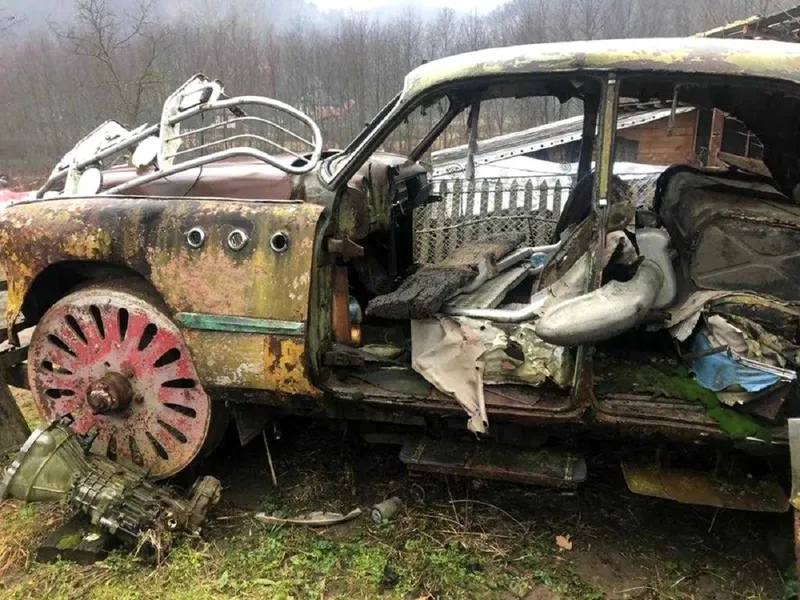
(265, 284)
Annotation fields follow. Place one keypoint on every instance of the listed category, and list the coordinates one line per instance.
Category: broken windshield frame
(335, 165)
(369, 126)
(338, 169)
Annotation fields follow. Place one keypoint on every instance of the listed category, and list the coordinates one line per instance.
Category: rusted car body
(287, 286)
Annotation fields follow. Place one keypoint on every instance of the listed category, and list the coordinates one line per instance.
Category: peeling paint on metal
(147, 235)
(284, 362)
(251, 361)
(754, 58)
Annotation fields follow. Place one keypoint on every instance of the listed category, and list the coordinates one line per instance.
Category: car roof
(697, 55)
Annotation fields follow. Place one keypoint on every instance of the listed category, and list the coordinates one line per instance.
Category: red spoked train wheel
(114, 361)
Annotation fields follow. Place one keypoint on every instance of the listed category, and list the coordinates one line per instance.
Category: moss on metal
(677, 382)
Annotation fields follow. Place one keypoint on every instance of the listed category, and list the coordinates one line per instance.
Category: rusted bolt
(112, 392)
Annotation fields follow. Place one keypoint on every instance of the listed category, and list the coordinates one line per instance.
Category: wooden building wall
(657, 148)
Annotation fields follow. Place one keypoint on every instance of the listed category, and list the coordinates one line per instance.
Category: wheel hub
(119, 365)
(113, 392)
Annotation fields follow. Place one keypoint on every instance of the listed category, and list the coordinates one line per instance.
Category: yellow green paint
(751, 58)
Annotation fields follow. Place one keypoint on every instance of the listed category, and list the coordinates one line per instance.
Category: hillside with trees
(66, 70)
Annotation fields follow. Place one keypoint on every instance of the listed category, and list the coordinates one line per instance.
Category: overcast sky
(481, 5)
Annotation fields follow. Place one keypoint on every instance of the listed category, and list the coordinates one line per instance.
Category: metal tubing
(505, 263)
(499, 315)
(240, 120)
(241, 136)
(182, 116)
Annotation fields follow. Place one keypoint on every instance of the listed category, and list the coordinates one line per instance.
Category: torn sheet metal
(685, 314)
(571, 284)
(520, 356)
(766, 344)
(449, 355)
(314, 519)
(724, 333)
(766, 404)
(745, 369)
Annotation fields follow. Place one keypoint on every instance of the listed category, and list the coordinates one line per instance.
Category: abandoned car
(171, 278)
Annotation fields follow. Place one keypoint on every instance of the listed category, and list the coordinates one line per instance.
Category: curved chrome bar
(316, 138)
(228, 103)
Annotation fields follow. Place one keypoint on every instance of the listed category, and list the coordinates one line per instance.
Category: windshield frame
(339, 168)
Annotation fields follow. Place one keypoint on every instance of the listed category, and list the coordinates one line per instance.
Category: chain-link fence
(484, 208)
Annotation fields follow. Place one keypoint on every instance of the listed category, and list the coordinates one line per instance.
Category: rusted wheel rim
(117, 363)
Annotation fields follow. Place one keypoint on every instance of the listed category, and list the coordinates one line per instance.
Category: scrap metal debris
(54, 466)
(313, 519)
(386, 510)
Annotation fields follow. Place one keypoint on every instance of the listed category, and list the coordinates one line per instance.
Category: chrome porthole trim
(195, 237)
(237, 239)
(279, 242)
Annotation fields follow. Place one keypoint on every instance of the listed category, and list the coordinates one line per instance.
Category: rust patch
(284, 360)
(226, 359)
(250, 361)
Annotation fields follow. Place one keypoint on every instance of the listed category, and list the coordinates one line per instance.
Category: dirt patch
(603, 567)
(541, 593)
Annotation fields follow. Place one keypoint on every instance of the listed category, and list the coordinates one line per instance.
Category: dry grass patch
(22, 528)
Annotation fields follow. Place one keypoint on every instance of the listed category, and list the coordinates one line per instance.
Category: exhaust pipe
(603, 313)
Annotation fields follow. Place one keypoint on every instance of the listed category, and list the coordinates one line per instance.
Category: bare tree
(125, 50)
(108, 63)
(7, 20)
(722, 11)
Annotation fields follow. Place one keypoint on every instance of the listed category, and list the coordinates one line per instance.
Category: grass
(259, 562)
(455, 539)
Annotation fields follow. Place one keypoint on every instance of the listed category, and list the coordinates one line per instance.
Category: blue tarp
(719, 371)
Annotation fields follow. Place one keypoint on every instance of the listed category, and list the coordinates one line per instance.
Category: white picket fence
(483, 208)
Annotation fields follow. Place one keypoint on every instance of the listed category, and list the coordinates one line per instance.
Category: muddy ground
(455, 538)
